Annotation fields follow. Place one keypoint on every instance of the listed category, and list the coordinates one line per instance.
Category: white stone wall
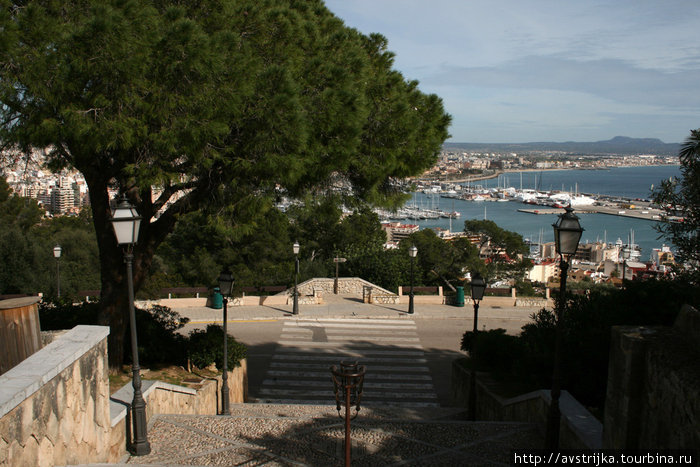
(54, 405)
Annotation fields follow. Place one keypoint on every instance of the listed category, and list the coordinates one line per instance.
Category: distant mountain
(616, 145)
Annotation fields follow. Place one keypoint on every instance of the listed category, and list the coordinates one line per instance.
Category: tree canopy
(215, 105)
(684, 195)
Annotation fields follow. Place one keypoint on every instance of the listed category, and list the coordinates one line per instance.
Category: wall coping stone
(121, 400)
(26, 378)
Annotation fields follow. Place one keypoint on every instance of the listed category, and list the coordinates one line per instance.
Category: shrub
(206, 347)
(492, 349)
(158, 339)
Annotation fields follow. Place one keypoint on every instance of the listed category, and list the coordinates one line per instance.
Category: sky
(512, 71)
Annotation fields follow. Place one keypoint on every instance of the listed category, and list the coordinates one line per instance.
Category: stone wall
(346, 286)
(652, 399)
(201, 397)
(54, 405)
(578, 429)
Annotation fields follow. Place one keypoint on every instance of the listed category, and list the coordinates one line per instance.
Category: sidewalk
(285, 435)
(351, 307)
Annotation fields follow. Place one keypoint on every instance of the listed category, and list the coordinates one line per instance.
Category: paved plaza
(295, 423)
(307, 435)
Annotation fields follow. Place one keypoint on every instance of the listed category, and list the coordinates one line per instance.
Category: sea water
(628, 182)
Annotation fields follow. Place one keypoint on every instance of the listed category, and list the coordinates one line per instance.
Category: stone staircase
(281, 435)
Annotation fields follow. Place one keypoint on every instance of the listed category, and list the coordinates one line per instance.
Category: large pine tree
(212, 105)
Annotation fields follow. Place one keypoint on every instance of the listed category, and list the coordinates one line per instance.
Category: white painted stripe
(354, 338)
(371, 403)
(367, 385)
(343, 345)
(349, 320)
(406, 353)
(409, 327)
(326, 367)
(375, 394)
(332, 358)
(327, 374)
(329, 331)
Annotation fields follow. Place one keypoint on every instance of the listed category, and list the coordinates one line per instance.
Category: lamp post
(295, 307)
(625, 257)
(412, 252)
(478, 285)
(225, 284)
(567, 233)
(126, 222)
(57, 254)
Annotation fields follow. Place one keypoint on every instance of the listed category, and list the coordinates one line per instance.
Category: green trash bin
(459, 297)
(217, 300)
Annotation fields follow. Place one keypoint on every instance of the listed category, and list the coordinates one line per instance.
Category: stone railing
(579, 429)
(54, 405)
(652, 398)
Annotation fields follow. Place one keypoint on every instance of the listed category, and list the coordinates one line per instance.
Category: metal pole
(624, 266)
(224, 377)
(348, 442)
(410, 293)
(295, 308)
(335, 283)
(472, 383)
(552, 435)
(139, 444)
(58, 277)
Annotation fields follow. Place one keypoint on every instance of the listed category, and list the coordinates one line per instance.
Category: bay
(628, 182)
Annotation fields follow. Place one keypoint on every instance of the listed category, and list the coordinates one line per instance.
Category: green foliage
(511, 266)
(158, 339)
(26, 250)
(682, 197)
(219, 106)
(206, 347)
(439, 261)
(586, 327)
(492, 349)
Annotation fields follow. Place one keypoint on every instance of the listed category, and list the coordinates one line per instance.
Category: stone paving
(307, 435)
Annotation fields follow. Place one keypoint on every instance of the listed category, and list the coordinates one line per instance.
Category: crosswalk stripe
(356, 338)
(327, 374)
(367, 385)
(365, 395)
(349, 320)
(371, 403)
(307, 332)
(332, 358)
(326, 366)
(386, 327)
(397, 369)
(367, 352)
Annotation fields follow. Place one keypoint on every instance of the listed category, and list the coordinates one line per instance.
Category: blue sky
(547, 70)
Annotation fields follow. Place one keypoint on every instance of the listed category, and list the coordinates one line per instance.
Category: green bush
(206, 347)
(492, 349)
(158, 339)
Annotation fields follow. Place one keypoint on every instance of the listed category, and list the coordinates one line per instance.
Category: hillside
(616, 145)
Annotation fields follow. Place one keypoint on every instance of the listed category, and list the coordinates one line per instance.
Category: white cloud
(633, 59)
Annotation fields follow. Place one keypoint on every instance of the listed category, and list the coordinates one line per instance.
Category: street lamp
(478, 285)
(567, 233)
(412, 252)
(57, 254)
(225, 284)
(625, 257)
(295, 307)
(126, 222)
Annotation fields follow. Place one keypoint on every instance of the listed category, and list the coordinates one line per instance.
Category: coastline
(497, 173)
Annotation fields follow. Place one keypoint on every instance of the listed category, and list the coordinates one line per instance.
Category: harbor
(621, 205)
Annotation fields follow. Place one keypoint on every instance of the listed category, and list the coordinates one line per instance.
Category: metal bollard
(350, 378)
